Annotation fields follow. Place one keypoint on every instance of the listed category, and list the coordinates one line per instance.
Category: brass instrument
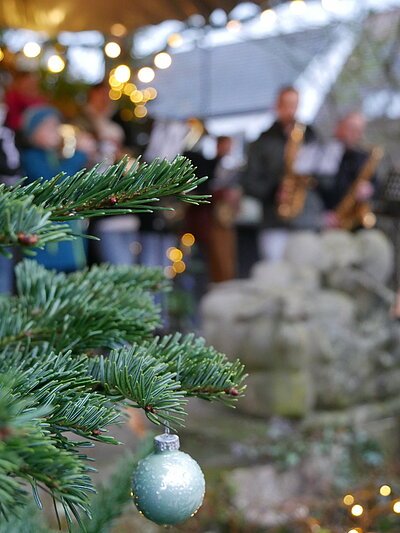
(293, 189)
(352, 213)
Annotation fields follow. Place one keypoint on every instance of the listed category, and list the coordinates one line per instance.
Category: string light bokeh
(366, 506)
(124, 74)
(177, 256)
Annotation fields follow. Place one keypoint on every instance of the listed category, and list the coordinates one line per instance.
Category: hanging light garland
(112, 49)
(146, 74)
(175, 40)
(120, 75)
(31, 49)
(268, 16)
(177, 256)
(366, 506)
(162, 60)
(55, 64)
(298, 6)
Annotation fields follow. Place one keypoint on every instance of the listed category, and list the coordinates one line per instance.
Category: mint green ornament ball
(168, 485)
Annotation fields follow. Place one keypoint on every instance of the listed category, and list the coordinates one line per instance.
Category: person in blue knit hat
(43, 160)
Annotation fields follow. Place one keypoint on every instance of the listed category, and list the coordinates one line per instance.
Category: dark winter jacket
(349, 169)
(263, 175)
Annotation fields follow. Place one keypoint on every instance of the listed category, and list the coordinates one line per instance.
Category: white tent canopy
(75, 15)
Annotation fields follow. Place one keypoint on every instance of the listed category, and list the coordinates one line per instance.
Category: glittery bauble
(168, 485)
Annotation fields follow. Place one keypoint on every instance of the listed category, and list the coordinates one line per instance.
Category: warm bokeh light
(348, 499)
(119, 30)
(115, 94)
(179, 267)
(114, 82)
(136, 96)
(175, 40)
(233, 25)
(32, 49)
(169, 272)
(268, 16)
(297, 6)
(135, 247)
(129, 88)
(188, 239)
(55, 64)
(396, 507)
(357, 510)
(385, 490)
(122, 73)
(1, 55)
(112, 49)
(146, 74)
(162, 60)
(152, 93)
(140, 111)
(174, 254)
(369, 220)
(149, 93)
(146, 95)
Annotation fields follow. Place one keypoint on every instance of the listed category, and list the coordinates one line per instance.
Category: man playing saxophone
(268, 177)
(351, 183)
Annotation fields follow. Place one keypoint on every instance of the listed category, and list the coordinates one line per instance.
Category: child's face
(47, 134)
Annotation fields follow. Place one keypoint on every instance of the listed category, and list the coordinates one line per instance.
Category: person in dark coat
(347, 158)
(212, 223)
(263, 177)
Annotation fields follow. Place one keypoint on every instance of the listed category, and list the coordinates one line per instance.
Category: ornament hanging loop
(166, 442)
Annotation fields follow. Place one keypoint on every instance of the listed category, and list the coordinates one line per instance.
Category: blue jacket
(42, 164)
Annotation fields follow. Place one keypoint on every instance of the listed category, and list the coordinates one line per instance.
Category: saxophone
(352, 213)
(293, 188)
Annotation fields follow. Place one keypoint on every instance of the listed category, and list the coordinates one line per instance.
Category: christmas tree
(76, 349)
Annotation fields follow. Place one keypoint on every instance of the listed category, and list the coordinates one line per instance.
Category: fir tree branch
(29, 520)
(27, 225)
(203, 371)
(136, 277)
(115, 493)
(131, 374)
(28, 212)
(101, 308)
(29, 453)
(52, 380)
(85, 414)
(117, 190)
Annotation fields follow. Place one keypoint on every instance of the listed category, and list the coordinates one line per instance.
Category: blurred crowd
(288, 180)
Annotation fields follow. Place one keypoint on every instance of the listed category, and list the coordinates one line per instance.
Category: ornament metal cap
(166, 442)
